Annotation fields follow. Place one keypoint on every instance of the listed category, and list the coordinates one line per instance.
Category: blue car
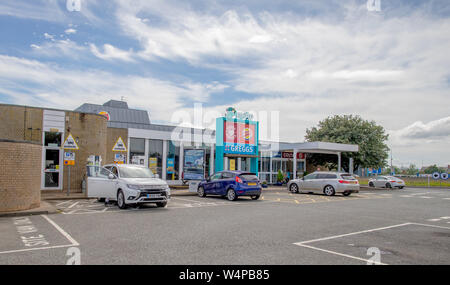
(231, 184)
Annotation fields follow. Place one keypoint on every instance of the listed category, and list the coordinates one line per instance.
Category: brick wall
(91, 132)
(20, 179)
(113, 135)
(21, 123)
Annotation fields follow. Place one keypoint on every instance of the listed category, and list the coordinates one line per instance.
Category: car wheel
(231, 195)
(121, 200)
(329, 190)
(388, 185)
(101, 200)
(201, 192)
(371, 184)
(347, 193)
(293, 188)
(255, 197)
(401, 187)
(161, 204)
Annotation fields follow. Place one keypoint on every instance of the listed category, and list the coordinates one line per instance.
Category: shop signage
(239, 138)
(70, 143)
(119, 145)
(232, 164)
(119, 158)
(153, 164)
(105, 114)
(170, 166)
(69, 158)
(286, 154)
(194, 164)
(232, 114)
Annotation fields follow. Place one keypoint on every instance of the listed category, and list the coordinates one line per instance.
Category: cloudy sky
(304, 59)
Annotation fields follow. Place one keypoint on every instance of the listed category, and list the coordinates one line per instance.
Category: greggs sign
(239, 134)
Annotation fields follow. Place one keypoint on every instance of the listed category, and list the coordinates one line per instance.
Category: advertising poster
(232, 164)
(194, 164)
(119, 158)
(170, 165)
(239, 138)
(153, 164)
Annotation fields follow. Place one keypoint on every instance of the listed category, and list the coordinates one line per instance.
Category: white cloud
(110, 53)
(419, 132)
(62, 88)
(70, 31)
(48, 36)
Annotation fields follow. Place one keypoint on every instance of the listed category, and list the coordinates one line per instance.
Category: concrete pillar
(128, 150)
(270, 167)
(239, 162)
(211, 160)
(350, 165)
(339, 162)
(294, 168)
(181, 162)
(146, 152)
(164, 161)
(225, 163)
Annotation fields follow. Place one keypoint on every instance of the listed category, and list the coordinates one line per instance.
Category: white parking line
(73, 205)
(344, 255)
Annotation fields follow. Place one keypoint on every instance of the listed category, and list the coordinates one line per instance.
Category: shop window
(52, 139)
(137, 151)
(173, 155)
(155, 156)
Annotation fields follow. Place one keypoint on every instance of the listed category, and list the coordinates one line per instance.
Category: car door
(223, 183)
(98, 183)
(380, 181)
(319, 182)
(308, 182)
(210, 186)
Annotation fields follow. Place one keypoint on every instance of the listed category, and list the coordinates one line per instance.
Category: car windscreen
(347, 177)
(249, 177)
(136, 172)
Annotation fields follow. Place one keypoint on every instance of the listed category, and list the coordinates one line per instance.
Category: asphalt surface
(409, 226)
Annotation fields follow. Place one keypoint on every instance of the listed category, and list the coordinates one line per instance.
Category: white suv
(127, 184)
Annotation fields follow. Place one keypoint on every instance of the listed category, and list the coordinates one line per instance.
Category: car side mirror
(111, 176)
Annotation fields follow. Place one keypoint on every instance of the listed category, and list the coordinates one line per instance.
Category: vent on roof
(116, 104)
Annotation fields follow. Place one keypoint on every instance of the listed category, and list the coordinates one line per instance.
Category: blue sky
(304, 59)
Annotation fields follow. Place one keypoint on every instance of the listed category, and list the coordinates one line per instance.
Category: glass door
(52, 158)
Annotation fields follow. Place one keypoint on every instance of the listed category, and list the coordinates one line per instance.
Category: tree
(370, 137)
(412, 170)
(432, 169)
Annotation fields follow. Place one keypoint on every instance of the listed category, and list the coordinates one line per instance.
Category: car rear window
(347, 177)
(249, 177)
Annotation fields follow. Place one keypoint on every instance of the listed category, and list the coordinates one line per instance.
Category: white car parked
(127, 184)
(328, 183)
(386, 182)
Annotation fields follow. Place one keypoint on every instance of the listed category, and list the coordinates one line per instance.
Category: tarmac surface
(409, 226)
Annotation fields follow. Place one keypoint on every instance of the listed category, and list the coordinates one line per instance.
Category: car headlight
(134, 187)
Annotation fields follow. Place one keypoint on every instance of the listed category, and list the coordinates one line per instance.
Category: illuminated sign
(105, 114)
(231, 114)
(239, 138)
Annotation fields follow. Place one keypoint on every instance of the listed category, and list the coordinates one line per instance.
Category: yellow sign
(153, 164)
(232, 164)
(119, 145)
(70, 143)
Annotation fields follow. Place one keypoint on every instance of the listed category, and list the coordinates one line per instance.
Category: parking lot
(409, 226)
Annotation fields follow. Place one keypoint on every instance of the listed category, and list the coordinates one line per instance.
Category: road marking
(433, 220)
(350, 234)
(297, 202)
(63, 232)
(425, 197)
(342, 254)
(64, 202)
(59, 229)
(433, 226)
(73, 205)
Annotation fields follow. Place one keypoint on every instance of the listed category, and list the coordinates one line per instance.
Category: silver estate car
(328, 183)
(386, 182)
